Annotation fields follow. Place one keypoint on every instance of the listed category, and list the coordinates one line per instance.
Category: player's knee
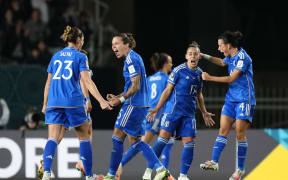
(241, 136)
(187, 140)
(223, 131)
(119, 133)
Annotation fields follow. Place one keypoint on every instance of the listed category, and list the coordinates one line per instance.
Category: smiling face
(192, 56)
(119, 48)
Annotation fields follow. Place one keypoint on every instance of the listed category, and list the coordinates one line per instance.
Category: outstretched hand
(208, 119)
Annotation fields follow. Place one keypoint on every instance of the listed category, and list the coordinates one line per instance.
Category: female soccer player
(63, 99)
(240, 98)
(134, 108)
(183, 89)
(161, 65)
(88, 108)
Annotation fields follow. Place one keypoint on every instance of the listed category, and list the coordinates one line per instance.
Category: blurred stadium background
(29, 35)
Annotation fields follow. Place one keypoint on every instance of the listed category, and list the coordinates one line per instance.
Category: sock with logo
(49, 153)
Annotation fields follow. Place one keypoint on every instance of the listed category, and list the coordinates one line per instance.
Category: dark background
(169, 26)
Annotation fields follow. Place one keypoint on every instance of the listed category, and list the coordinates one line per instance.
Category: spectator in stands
(34, 29)
(8, 27)
(44, 54)
(85, 23)
(39, 54)
(43, 7)
(21, 9)
(11, 36)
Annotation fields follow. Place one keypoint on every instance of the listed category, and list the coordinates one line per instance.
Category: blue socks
(49, 153)
(187, 157)
(86, 156)
(219, 145)
(242, 151)
(130, 153)
(158, 147)
(116, 155)
(165, 156)
(148, 153)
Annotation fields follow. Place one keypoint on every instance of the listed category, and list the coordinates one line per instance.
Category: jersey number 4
(67, 67)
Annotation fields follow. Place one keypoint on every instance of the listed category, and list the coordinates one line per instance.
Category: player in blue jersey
(239, 101)
(183, 91)
(134, 108)
(88, 108)
(161, 63)
(63, 99)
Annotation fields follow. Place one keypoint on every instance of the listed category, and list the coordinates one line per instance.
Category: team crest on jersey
(171, 77)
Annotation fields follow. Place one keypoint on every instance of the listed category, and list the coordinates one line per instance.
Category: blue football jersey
(156, 84)
(242, 89)
(187, 84)
(133, 66)
(65, 67)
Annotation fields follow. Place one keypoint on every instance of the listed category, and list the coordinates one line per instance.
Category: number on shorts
(247, 109)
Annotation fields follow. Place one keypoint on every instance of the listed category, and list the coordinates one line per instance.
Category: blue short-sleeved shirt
(156, 85)
(65, 67)
(242, 89)
(187, 84)
(133, 66)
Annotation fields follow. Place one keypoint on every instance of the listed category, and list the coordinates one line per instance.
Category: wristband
(87, 98)
(206, 56)
(122, 99)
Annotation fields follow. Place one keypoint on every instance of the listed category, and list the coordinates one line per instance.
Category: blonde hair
(71, 34)
(64, 36)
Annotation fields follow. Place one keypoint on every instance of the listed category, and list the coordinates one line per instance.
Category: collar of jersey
(70, 47)
(240, 49)
(186, 65)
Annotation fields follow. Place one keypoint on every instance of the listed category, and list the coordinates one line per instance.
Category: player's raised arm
(224, 79)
